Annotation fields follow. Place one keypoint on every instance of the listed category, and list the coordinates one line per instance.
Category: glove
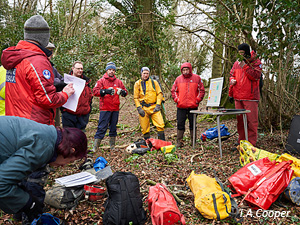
(33, 208)
(157, 108)
(109, 91)
(121, 92)
(141, 111)
(231, 99)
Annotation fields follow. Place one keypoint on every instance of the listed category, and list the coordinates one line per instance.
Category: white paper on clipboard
(78, 85)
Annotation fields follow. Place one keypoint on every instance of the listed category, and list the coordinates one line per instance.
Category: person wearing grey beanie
(31, 76)
(37, 29)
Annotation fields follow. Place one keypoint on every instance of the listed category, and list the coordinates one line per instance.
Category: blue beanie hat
(145, 68)
(110, 65)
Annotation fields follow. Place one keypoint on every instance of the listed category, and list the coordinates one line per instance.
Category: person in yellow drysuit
(2, 90)
(148, 98)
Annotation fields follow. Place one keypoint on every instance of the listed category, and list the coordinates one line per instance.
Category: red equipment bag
(163, 207)
(262, 182)
(156, 144)
(94, 192)
(247, 176)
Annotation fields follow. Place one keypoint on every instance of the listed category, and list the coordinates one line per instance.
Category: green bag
(61, 197)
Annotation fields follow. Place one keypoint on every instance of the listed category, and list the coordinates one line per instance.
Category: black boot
(147, 136)
(161, 135)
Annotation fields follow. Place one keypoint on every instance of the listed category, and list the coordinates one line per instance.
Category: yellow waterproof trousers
(156, 117)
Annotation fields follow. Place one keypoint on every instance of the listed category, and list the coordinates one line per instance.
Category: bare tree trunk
(146, 50)
(218, 47)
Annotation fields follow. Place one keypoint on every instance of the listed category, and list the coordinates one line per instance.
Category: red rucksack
(163, 207)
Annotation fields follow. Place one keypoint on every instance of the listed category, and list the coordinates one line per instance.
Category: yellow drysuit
(147, 98)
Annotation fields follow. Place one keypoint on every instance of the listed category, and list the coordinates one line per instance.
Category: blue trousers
(71, 120)
(107, 118)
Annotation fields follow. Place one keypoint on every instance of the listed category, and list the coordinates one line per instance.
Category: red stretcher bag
(163, 207)
(263, 182)
(156, 144)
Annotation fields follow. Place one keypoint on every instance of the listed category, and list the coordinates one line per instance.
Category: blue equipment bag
(100, 163)
(212, 133)
(46, 219)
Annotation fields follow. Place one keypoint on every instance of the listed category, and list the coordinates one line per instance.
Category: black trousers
(182, 115)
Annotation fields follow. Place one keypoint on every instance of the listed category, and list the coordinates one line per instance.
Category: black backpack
(124, 203)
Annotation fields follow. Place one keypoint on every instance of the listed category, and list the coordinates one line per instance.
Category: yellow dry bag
(211, 199)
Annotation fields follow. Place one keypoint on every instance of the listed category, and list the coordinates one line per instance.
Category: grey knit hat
(36, 29)
(145, 68)
(110, 65)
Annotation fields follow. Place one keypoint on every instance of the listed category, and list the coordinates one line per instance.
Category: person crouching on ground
(26, 146)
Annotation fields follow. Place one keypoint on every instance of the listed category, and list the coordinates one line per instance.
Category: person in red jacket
(108, 88)
(244, 89)
(80, 117)
(30, 92)
(187, 91)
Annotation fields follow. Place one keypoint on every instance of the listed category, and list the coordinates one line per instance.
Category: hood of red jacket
(187, 65)
(254, 60)
(12, 56)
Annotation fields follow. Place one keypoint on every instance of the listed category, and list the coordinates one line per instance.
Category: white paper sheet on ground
(76, 179)
(78, 85)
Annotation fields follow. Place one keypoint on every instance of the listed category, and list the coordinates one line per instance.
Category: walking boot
(161, 135)
(112, 143)
(191, 133)
(179, 138)
(147, 136)
(97, 143)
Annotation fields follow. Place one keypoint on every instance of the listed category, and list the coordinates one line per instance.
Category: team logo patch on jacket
(11, 75)
(47, 74)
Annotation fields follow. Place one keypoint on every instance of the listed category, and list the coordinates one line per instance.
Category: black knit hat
(246, 48)
(36, 29)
